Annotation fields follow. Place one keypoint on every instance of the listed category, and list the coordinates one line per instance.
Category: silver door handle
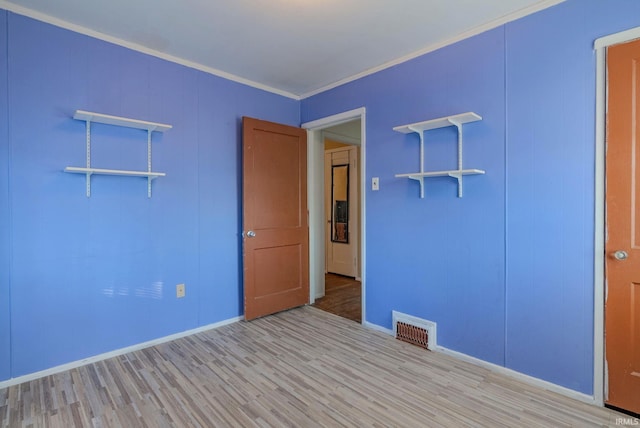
(620, 255)
(251, 234)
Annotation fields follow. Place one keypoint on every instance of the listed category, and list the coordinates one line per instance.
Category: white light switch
(375, 183)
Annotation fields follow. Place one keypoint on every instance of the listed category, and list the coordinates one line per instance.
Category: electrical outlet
(375, 183)
(180, 292)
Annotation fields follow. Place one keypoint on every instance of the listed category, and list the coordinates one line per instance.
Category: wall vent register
(414, 330)
(150, 127)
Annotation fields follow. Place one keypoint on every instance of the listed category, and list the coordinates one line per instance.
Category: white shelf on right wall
(420, 127)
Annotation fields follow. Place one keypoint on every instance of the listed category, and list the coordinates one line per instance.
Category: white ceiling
(292, 47)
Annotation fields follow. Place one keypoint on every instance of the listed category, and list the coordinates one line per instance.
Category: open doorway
(336, 214)
(343, 294)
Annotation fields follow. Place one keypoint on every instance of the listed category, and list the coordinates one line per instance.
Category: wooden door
(622, 307)
(275, 220)
(341, 254)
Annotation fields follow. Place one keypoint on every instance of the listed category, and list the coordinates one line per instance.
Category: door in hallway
(341, 210)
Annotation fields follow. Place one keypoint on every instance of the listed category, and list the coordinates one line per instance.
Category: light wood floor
(342, 296)
(301, 368)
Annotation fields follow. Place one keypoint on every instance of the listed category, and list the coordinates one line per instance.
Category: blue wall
(550, 197)
(5, 231)
(506, 271)
(90, 275)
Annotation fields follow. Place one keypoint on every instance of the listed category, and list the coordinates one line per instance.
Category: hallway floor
(343, 297)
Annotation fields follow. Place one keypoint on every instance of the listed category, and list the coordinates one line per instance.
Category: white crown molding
(4, 4)
(39, 16)
(465, 35)
(75, 364)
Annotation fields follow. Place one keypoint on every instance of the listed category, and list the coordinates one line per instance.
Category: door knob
(620, 255)
(251, 234)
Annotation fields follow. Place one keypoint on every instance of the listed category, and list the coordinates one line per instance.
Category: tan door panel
(622, 308)
(275, 221)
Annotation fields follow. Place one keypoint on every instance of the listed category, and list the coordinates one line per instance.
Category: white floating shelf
(456, 120)
(88, 116)
(441, 122)
(91, 117)
(100, 171)
(451, 173)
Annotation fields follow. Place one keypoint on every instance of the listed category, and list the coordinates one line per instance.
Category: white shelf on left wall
(150, 127)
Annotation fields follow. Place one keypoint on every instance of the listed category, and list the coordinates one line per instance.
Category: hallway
(343, 297)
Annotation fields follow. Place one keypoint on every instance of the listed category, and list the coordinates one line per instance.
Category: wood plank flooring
(300, 368)
(343, 297)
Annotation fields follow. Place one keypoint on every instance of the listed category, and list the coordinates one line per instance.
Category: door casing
(622, 304)
(315, 192)
(599, 368)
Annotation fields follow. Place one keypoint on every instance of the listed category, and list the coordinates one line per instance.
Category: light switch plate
(375, 183)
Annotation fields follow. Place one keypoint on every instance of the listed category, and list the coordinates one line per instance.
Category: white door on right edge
(341, 211)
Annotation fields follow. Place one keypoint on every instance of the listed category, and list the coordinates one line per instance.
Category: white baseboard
(459, 355)
(520, 376)
(115, 353)
(376, 327)
(590, 399)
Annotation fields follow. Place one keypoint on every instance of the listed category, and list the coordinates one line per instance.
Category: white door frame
(315, 192)
(599, 362)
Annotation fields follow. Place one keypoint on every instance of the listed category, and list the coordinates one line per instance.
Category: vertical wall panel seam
(200, 283)
(9, 205)
(506, 200)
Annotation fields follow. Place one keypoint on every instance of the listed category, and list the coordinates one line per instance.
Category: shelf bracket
(457, 176)
(149, 161)
(420, 132)
(88, 137)
(458, 126)
(421, 181)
